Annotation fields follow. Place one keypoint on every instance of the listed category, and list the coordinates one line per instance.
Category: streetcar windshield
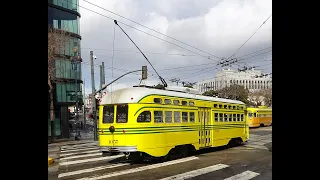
(250, 115)
(122, 113)
(108, 114)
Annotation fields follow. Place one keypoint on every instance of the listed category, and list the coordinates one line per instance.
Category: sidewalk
(54, 150)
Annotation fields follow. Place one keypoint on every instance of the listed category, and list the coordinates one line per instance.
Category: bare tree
(267, 95)
(57, 41)
(256, 98)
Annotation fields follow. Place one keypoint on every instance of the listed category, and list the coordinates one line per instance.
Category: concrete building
(226, 77)
(64, 15)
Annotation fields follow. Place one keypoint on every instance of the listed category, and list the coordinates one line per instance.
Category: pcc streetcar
(260, 116)
(148, 122)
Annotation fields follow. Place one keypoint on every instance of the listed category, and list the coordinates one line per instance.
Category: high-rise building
(64, 15)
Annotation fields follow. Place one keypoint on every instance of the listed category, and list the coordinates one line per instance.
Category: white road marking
(74, 150)
(83, 152)
(197, 172)
(90, 160)
(243, 176)
(256, 146)
(90, 170)
(80, 156)
(78, 145)
(143, 168)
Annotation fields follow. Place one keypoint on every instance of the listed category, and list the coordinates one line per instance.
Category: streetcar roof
(135, 94)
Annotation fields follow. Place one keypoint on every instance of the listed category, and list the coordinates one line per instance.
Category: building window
(63, 20)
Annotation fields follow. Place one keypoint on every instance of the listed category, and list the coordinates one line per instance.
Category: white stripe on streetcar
(243, 176)
(83, 152)
(197, 172)
(80, 156)
(74, 150)
(90, 160)
(90, 170)
(143, 168)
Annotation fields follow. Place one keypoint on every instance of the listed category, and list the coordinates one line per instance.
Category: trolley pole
(94, 108)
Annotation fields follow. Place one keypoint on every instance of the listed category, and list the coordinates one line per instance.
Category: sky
(216, 28)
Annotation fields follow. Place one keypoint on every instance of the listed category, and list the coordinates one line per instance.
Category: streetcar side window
(221, 117)
(225, 117)
(184, 116)
(176, 102)
(215, 106)
(230, 117)
(157, 100)
(216, 117)
(144, 117)
(191, 103)
(234, 117)
(167, 101)
(238, 117)
(241, 117)
(108, 114)
(184, 103)
(230, 107)
(168, 117)
(177, 116)
(254, 114)
(192, 118)
(250, 115)
(226, 106)
(158, 116)
(122, 113)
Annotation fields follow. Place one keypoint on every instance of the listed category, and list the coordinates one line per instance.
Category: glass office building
(64, 15)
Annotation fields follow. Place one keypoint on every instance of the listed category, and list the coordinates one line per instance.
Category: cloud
(219, 27)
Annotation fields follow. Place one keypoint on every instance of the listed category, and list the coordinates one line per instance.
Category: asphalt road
(250, 161)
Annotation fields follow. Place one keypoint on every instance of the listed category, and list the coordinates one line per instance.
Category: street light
(74, 61)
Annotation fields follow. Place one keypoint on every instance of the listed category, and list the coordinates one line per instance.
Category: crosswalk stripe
(143, 168)
(78, 145)
(80, 156)
(243, 176)
(197, 172)
(90, 160)
(90, 170)
(74, 150)
(83, 152)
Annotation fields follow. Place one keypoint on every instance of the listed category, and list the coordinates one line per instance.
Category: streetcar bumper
(118, 148)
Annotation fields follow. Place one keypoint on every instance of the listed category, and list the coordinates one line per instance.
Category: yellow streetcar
(261, 116)
(147, 122)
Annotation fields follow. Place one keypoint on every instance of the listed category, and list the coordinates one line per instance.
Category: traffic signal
(144, 72)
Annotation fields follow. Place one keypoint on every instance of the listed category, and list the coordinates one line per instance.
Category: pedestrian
(81, 125)
(70, 127)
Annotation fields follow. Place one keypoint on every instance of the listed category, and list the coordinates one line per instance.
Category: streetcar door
(204, 131)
